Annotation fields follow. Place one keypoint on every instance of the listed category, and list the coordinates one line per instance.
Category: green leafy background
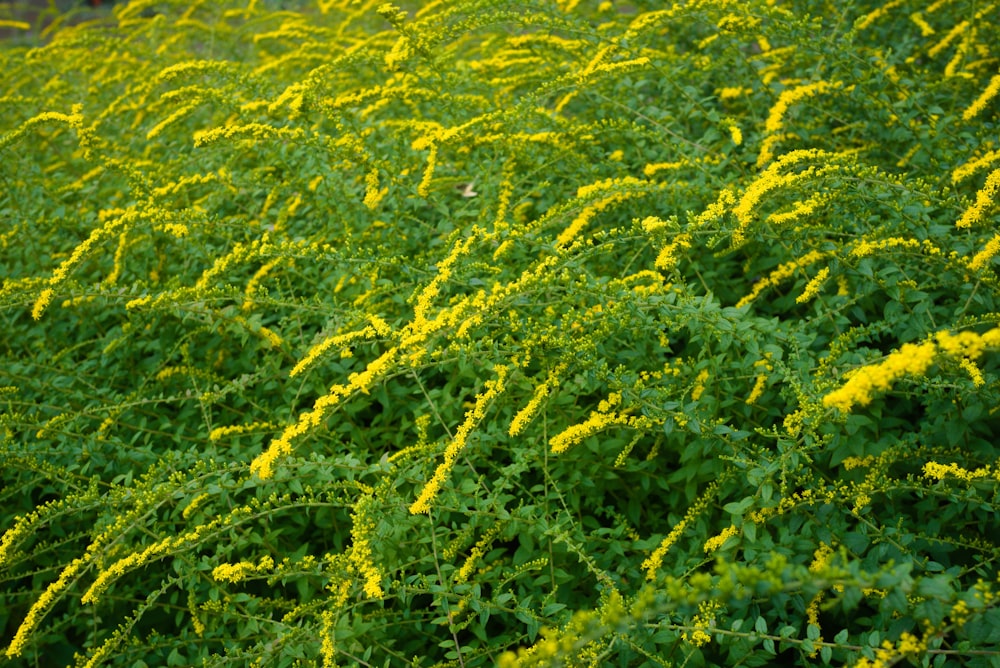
(482, 206)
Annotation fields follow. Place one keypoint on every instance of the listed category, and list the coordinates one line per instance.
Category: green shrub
(535, 333)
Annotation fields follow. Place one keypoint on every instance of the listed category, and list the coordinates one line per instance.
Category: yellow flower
(942, 471)
(910, 360)
(784, 271)
(715, 542)
(813, 287)
(736, 134)
(790, 96)
(983, 257)
(699, 385)
(758, 389)
(984, 198)
(493, 388)
(44, 299)
(655, 560)
(40, 607)
(526, 414)
(576, 433)
(702, 622)
(667, 258)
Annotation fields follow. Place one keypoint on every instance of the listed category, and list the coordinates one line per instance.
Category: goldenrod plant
(534, 333)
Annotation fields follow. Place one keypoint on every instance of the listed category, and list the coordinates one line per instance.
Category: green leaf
(760, 625)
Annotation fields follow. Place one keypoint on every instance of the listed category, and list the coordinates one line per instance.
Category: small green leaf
(760, 625)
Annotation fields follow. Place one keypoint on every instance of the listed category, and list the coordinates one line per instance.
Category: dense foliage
(547, 332)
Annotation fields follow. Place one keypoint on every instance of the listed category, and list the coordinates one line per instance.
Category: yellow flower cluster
(760, 383)
(73, 120)
(137, 559)
(472, 418)
(195, 503)
(254, 283)
(873, 16)
(783, 272)
(656, 167)
(622, 189)
(984, 198)
(717, 541)
(787, 503)
(699, 385)
(597, 421)
(40, 607)
(667, 258)
(735, 133)
(254, 131)
(476, 553)
(219, 433)
(702, 622)
(813, 287)
(111, 227)
(716, 209)
(240, 253)
(790, 96)
(909, 646)
(655, 560)
(946, 41)
(941, 471)
(618, 67)
(377, 327)
(910, 360)
(328, 648)
(772, 178)
(185, 370)
(732, 92)
(799, 210)
(240, 571)
(263, 464)
(266, 333)
(526, 414)
(926, 30)
(963, 172)
(427, 295)
(865, 248)
(360, 555)
(851, 463)
(979, 105)
(975, 373)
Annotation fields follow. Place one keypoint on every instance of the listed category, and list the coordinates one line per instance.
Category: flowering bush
(471, 333)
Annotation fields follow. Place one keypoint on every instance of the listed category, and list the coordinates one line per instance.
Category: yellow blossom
(715, 542)
(941, 471)
(736, 134)
(812, 287)
(43, 301)
(652, 564)
(963, 172)
(975, 373)
(493, 388)
(910, 360)
(783, 272)
(593, 424)
(758, 389)
(984, 198)
(526, 414)
(667, 257)
(790, 96)
(699, 385)
(373, 194)
(873, 16)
